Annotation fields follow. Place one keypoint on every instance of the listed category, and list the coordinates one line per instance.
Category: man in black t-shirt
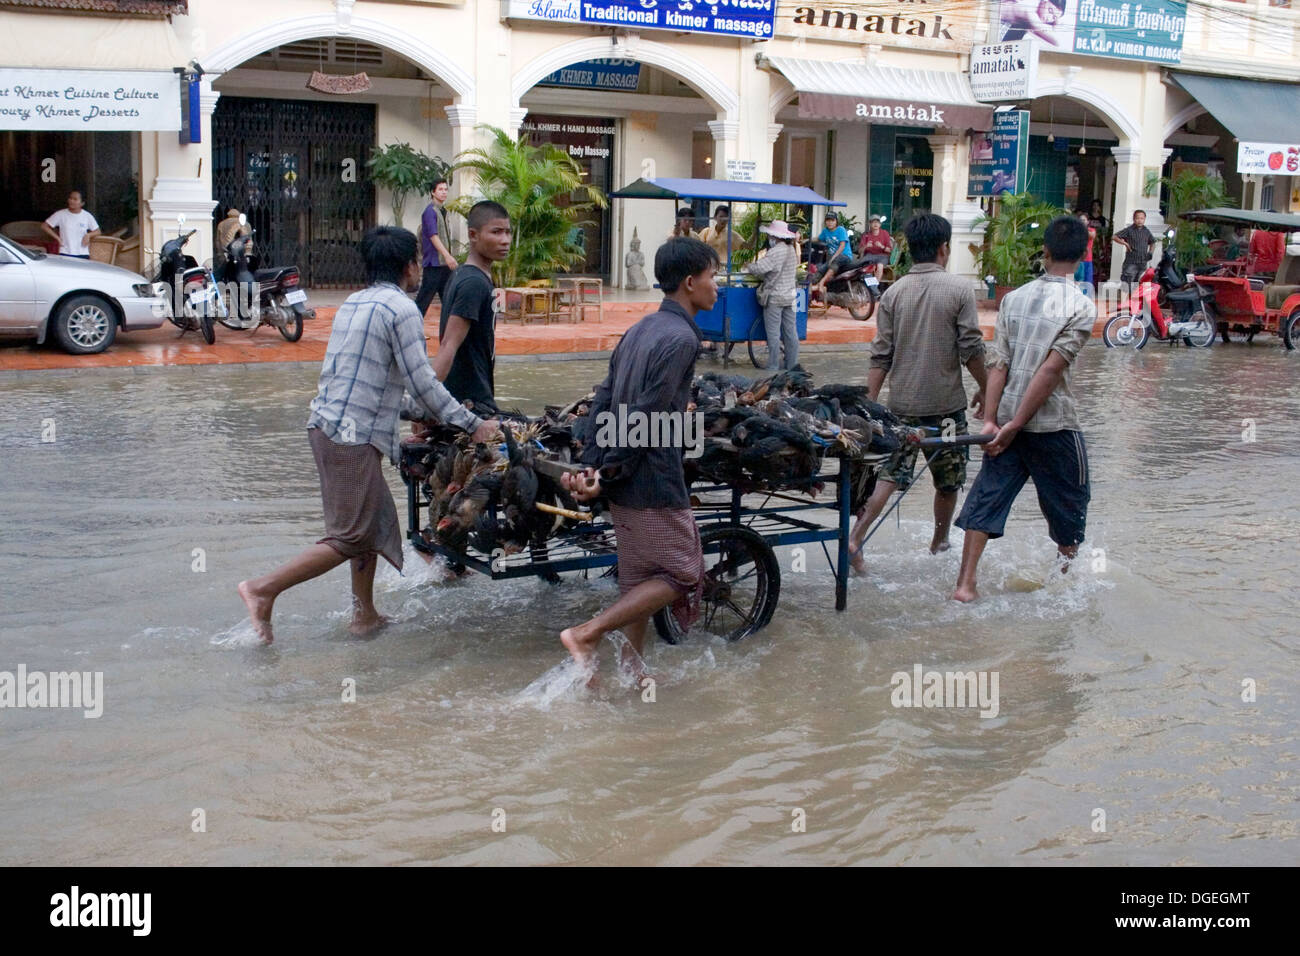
(1137, 240)
(467, 328)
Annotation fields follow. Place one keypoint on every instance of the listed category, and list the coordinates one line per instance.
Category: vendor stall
(737, 316)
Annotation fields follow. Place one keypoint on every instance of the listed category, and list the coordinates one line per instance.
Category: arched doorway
(642, 110)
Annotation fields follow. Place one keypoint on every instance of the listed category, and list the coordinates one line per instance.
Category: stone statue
(634, 261)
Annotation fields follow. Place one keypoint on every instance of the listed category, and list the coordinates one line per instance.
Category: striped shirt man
(377, 349)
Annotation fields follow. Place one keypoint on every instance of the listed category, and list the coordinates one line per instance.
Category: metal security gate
(297, 169)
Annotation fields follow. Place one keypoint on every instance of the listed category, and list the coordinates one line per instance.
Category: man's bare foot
(578, 643)
(856, 561)
(965, 594)
(365, 624)
(259, 610)
(938, 545)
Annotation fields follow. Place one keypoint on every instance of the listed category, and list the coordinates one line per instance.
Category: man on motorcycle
(927, 329)
(836, 239)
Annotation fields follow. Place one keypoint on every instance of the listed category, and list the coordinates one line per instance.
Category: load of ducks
(759, 434)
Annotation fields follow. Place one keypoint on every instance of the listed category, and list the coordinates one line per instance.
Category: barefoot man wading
(660, 561)
(1041, 328)
(926, 330)
(376, 347)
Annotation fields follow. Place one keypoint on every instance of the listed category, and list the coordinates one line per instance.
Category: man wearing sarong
(376, 348)
(660, 561)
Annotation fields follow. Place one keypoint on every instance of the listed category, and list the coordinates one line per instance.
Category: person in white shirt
(76, 227)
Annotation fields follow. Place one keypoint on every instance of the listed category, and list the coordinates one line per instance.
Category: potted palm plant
(542, 189)
(1013, 238)
(1187, 191)
(402, 169)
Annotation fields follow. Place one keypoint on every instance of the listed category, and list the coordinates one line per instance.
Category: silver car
(83, 303)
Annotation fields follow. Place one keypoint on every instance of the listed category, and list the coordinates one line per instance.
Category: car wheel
(85, 324)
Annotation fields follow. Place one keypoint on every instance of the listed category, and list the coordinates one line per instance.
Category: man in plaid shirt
(1040, 329)
(376, 349)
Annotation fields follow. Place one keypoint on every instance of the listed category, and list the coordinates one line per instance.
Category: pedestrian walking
(436, 259)
(777, 268)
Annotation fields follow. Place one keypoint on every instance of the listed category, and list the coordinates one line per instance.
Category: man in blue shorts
(1040, 329)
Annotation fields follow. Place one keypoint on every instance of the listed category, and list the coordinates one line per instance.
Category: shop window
(913, 177)
(803, 161)
(702, 156)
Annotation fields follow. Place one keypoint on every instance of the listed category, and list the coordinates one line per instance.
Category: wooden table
(573, 290)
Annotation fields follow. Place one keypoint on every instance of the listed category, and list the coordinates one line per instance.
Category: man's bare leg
(1068, 552)
(633, 657)
(259, 594)
(365, 618)
(875, 504)
(636, 605)
(971, 551)
(945, 504)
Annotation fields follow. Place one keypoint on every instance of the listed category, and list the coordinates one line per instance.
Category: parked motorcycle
(191, 288)
(856, 287)
(1163, 287)
(255, 297)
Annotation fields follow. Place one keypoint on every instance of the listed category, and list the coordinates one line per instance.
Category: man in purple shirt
(437, 262)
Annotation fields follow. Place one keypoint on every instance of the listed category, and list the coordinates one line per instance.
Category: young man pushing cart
(660, 561)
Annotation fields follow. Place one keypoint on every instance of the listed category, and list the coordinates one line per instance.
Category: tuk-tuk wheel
(1291, 331)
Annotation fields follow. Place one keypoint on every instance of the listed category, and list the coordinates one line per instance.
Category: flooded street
(1121, 684)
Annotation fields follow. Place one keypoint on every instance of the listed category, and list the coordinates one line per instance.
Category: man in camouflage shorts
(947, 464)
(926, 330)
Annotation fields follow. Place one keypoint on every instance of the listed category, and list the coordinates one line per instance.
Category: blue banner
(745, 18)
(604, 74)
(999, 163)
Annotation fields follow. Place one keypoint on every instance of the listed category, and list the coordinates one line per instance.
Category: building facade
(870, 103)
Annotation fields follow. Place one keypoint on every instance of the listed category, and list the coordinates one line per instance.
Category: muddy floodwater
(1148, 702)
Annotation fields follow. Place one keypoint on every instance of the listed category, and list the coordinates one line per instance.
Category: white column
(1128, 197)
(726, 140)
(183, 183)
(463, 137)
(951, 170)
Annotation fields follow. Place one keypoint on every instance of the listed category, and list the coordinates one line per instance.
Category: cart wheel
(742, 582)
(1291, 332)
(759, 353)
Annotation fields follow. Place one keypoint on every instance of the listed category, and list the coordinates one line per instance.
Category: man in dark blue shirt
(660, 561)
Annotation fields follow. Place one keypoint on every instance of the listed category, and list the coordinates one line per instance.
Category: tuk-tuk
(1255, 303)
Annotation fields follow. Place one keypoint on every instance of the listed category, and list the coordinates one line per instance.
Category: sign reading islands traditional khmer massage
(88, 100)
(1129, 29)
(745, 18)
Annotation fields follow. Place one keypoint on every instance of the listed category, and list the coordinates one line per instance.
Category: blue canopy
(721, 190)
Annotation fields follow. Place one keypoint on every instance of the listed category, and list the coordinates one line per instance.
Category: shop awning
(1254, 111)
(40, 41)
(856, 92)
(721, 190)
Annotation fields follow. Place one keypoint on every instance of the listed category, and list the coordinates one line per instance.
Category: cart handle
(939, 442)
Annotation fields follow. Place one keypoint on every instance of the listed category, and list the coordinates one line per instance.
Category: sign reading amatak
(1004, 71)
(88, 100)
(830, 106)
(936, 24)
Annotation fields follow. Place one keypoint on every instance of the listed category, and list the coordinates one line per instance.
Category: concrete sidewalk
(166, 346)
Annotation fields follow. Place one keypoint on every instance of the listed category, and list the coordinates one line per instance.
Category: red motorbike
(856, 287)
(1161, 289)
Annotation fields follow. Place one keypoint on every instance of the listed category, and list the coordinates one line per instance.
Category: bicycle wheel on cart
(742, 581)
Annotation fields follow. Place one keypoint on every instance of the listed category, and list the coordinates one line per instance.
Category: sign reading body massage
(88, 100)
(744, 18)
(1149, 30)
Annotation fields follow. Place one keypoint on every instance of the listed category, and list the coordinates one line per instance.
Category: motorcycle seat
(266, 275)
